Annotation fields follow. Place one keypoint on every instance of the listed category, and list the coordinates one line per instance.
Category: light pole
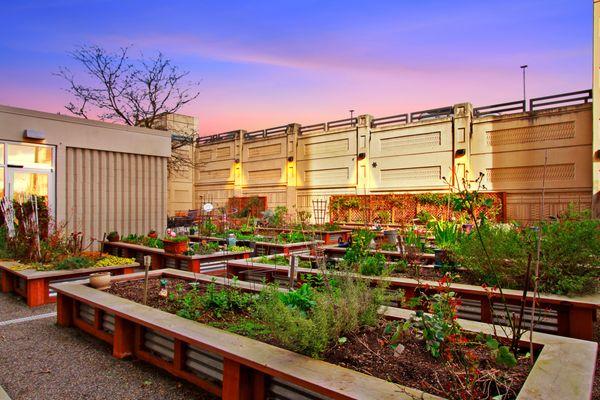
(523, 68)
(351, 117)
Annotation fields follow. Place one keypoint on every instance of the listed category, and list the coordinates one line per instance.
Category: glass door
(22, 182)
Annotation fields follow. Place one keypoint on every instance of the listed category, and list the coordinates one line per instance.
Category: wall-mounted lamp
(597, 154)
(34, 135)
(290, 158)
(362, 156)
(237, 160)
(460, 153)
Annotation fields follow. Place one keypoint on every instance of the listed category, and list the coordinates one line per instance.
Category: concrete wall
(181, 179)
(370, 156)
(108, 176)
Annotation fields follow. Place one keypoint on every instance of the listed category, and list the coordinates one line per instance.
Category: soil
(369, 351)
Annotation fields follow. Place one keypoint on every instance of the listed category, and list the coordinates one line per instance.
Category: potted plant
(174, 243)
(152, 234)
(113, 236)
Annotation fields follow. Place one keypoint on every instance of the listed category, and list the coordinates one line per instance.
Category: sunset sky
(267, 63)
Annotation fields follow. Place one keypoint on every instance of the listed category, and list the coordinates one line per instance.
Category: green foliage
(446, 233)
(373, 265)
(389, 247)
(507, 249)
(274, 260)
(278, 218)
(344, 203)
(360, 247)
(238, 249)
(301, 299)
(292, 237)
(176, 239)
(217, 301)
(76, 262)
(436, 199)
(249, 328)
(110, 260)
(570, 257)
(502, 354)
(208, 227)
(205, 248)
(334, 314)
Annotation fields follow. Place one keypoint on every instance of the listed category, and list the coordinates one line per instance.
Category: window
(30, 156)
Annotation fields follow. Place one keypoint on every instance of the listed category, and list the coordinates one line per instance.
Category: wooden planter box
(560, 315)
(334, 252)
(209, 263)
(237, 367)
(34, 286)
(328, 237)
(266, 248)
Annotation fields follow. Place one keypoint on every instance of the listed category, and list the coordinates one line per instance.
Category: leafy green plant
(76, 262)
(292, 237)
(360, 247)
(372, 265)
(502, 355)
(274, 260)
(301, 299)
(446, 233)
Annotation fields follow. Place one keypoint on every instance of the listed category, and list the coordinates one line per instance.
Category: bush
(372, 265)
(570, 256)
(321, 317)
(507, 249)
(74, 263)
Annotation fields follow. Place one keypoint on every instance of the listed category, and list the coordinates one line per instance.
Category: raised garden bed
(34, 286)
(205, 263)
(335, 252)
(237, 367)
(565, 316)
(328, 237)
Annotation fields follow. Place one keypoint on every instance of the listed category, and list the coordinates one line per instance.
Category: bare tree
(133, 92)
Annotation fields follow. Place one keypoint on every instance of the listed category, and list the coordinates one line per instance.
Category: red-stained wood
(36, 292)
(123, 338)
(8, 283)
(237, 381)
(581, 323)
(194, 266)
(64, 310)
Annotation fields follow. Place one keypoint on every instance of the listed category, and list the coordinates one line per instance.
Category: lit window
(30, 156)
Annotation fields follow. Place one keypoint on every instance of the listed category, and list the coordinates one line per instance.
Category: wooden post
(581, 323)
(123, 339)
(7, 282)
(237, 381)
(64, 310)
(147, 262)
(179, 355)
(194, 266)
(486, 310)
(293, 262)
(37, 292)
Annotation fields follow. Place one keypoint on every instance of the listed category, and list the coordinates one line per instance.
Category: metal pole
(524, 67)
(351, 116)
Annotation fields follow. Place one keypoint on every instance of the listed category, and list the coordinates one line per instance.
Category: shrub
(309, 321)
(373, 265)
(76, 262)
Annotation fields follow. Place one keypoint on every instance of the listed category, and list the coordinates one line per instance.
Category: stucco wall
(108, 176)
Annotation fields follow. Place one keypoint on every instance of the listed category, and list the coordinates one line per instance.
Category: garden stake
(147, 262)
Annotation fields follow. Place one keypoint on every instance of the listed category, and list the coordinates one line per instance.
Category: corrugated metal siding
(109, 191)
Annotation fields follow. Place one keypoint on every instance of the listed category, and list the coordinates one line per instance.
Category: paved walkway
(42, 361)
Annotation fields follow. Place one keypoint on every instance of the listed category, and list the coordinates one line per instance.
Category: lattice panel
(529, 134)
(533, 173)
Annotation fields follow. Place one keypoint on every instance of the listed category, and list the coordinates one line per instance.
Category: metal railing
(431, 114)
(392, 119)
(501, 108)
(342, 123)
(564, 99)
(265, 132)
(217, 138)
(313, 128)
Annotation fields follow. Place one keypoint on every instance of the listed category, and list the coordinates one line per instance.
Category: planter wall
(34, 286)
(236, 367)
(564, 316)
(210, 263)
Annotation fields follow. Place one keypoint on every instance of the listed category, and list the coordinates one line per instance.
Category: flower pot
(153, 235)
(113, 238)
(391, 236)
(100, 280)
(175, 247)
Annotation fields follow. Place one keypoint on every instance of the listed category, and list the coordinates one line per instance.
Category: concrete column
(596, 114)
(461, 143)
(238, 164)
(363, 163)
(292, 132)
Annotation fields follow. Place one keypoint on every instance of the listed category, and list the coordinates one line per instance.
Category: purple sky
(267, 63)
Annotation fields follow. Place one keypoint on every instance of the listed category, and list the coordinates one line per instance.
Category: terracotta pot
(175, 247)
(153, 235)
(100, 280)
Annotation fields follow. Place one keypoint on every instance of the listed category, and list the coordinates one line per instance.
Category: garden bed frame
(336, 252)
(205, 263)
(34, 286)
(237, 367)
(328, 237)
(265, 248)
(564, 316)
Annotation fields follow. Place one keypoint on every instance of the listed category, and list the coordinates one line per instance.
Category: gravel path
(43, 361)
